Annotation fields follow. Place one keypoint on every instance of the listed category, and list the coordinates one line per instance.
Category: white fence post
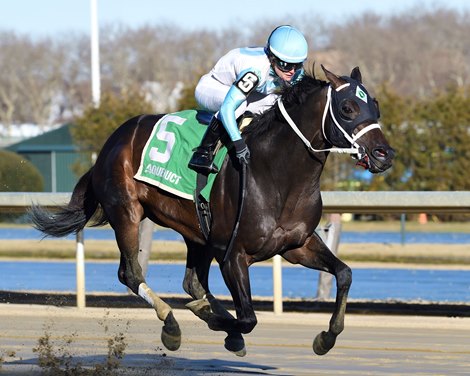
(80, 270)
(145, 243)
(333, 231)
(277, 285)
(145, 246)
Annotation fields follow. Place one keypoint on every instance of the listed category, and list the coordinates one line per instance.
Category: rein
(241, 200)
(355, 149)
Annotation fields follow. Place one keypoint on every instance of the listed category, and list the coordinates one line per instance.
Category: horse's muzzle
(380, 158)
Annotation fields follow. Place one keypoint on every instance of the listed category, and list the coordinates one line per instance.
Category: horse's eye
(349, 110)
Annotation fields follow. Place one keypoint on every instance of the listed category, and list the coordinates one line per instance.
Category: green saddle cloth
(164, 161)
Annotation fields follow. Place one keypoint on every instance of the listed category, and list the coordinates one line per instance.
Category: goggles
(287, 67)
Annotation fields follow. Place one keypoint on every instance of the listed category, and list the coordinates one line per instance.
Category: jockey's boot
(203, 158)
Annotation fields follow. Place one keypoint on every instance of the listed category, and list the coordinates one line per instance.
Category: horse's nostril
(380, 153)
(383, 153)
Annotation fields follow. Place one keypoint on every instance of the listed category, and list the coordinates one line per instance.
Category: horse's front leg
(205, 305)
(236, 277)
(316, 255)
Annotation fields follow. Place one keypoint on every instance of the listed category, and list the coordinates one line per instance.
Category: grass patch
(427, 254)
(412, 226)
(94, 250)
(169, 251)
(428, 260)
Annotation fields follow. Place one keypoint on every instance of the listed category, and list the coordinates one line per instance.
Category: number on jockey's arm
(247, 83)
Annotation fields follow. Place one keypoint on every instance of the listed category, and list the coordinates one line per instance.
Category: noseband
(355, 147)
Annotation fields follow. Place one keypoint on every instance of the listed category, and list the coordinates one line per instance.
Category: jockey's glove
(241, 151)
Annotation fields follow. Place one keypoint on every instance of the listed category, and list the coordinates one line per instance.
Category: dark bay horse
(289, 146)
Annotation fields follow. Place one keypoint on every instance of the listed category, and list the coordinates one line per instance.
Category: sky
(48, 17)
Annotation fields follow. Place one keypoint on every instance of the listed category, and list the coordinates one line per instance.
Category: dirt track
(279, 345)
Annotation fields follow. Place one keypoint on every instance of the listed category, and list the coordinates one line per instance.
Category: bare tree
(44, 81)
(416, 52)
(30, 78)
(74, 90)
(10, 95)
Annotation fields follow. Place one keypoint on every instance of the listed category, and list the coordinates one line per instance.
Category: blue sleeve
(246, 82)
(231, 102)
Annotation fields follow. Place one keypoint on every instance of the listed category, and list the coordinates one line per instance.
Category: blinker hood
(368, 110)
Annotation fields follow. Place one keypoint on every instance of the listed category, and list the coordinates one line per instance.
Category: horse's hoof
(236, 344)
(323, 343)
(171, 333)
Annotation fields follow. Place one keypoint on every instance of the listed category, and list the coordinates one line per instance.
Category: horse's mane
(291, 95)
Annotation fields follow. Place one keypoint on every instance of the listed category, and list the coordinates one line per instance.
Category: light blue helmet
(287, 44)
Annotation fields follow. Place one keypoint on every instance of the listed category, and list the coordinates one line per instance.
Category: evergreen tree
(396, 114)
(442, 160)
(18, 174)
(93, 128)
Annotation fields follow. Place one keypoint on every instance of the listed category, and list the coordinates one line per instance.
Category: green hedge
(18, 174)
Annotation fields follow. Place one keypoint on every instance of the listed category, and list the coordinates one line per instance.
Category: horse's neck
(285, 155)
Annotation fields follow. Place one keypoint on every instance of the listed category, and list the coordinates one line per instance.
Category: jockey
(246, 79)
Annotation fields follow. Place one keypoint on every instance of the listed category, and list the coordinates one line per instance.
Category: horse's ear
(356, 74)
(333, 78)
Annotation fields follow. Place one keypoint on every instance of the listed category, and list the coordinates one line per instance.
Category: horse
(281, 210)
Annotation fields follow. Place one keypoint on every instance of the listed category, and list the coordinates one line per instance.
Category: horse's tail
(70, 218)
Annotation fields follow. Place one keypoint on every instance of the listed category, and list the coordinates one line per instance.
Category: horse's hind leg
(316, 255)
(126, 228)
(205, 305)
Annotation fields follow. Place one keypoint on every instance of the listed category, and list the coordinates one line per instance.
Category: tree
(397, 125)
(18, 174)
(417, 63)
(441, 158)
(187, 100)
(30, 79)
(93, 128)
(416, 51)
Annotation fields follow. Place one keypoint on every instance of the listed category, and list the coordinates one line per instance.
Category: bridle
(355, 147)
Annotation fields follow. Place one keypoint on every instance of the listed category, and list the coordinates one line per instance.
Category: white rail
(333, 202)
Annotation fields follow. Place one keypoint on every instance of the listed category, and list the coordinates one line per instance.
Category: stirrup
(204, 169)
(203, 162)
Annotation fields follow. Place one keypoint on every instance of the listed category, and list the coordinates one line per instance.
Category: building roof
(58, 139)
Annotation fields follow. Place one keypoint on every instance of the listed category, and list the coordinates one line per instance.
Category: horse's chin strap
(355, 149)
